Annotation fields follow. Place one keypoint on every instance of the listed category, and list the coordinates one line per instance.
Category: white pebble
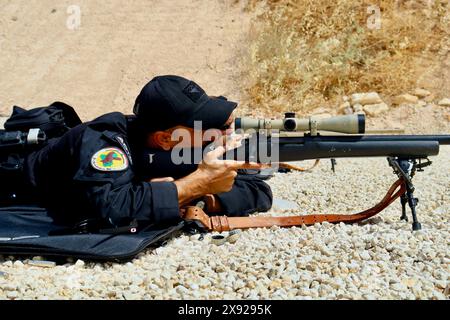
(365, 255)
(79, 264)
(8, 263)
(12, 295)
(18, 264)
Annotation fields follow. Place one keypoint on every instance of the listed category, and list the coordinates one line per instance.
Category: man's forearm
(189, 188)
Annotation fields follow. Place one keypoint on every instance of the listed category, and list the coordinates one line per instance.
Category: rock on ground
(365, 98)
(357, 107)
(405, 99)
(444, 102)
(345, 108)
(374, 110)
(421, 93)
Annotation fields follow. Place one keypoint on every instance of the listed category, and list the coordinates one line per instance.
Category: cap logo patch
(109, 159)
(193, 91)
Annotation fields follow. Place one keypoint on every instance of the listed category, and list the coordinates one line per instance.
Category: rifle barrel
(344, 146)
(441, 139)
(338, 149)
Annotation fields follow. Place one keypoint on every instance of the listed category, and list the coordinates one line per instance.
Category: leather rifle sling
(224, 223)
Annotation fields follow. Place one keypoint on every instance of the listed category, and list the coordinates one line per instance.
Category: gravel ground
(378, 259)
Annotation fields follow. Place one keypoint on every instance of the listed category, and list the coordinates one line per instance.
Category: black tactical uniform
(90, 173)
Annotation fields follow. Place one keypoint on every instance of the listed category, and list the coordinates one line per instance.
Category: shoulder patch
(109, 159)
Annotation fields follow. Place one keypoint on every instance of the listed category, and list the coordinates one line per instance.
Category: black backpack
(54, 120)
(27, 131)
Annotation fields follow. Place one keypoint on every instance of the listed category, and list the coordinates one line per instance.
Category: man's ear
(163, 140)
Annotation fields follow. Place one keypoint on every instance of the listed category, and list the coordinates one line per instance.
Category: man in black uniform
(91, 171)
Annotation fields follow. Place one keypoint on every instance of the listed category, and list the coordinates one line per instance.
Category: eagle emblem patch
(109, 159)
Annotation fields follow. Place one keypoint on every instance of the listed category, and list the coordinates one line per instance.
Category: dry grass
(305, 53)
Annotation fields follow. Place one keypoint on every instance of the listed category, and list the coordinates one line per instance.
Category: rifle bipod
(406, 168)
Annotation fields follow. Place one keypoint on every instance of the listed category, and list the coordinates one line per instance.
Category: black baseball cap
(168, 101)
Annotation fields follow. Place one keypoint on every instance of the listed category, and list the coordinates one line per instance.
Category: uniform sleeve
(156, 202)
(118, 197)
(249, 194)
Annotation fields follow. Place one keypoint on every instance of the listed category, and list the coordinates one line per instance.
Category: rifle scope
(344, 124)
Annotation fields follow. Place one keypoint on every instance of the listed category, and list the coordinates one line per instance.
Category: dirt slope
(119, 46)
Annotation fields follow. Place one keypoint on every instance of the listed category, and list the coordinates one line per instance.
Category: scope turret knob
(289, 115)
